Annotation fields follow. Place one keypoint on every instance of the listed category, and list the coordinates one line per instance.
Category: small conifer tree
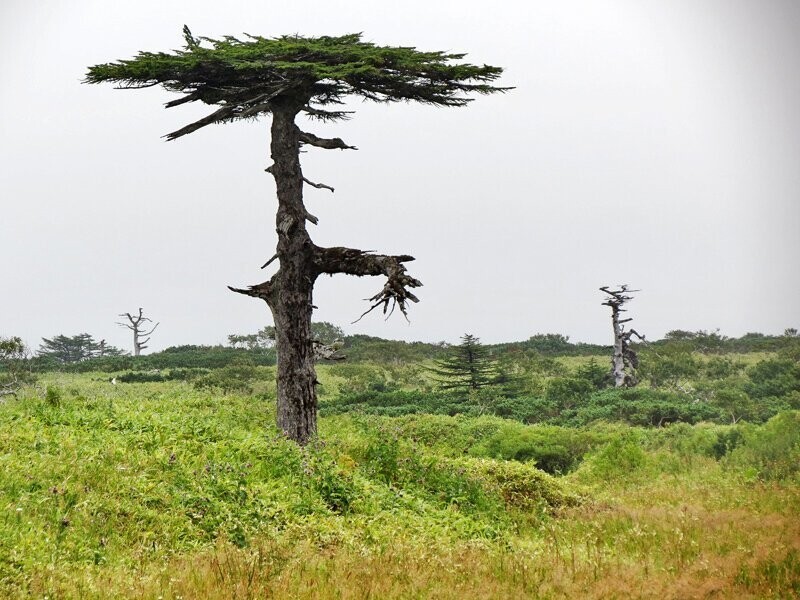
(468, 367)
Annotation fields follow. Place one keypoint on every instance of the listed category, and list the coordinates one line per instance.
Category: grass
(160, 490)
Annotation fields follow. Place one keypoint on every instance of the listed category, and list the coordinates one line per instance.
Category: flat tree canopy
(245, 77)
(284, 77)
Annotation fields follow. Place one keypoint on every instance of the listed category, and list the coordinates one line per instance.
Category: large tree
(285, 77)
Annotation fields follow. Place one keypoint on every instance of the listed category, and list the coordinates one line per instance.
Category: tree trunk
(290, 296)
(289, 293)
(618, 357)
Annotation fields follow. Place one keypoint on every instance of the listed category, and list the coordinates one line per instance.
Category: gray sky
(654, 143)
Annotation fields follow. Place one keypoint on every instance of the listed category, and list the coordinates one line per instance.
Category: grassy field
(158, 490)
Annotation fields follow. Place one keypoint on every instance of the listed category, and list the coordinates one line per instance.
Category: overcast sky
(654, 143)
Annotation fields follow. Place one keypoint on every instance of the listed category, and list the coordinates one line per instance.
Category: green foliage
(234, 378)
(667, 365)
(642, 407)
(14, 366)
(64, 350)
(520, 485)
(468, 366)
(555, 450)
(568, 392)
(52, 396)
(598, 376)
(116, 483)
(772, 451)
(247, 77)
(549, 343)
(773, 378)
(621, 459)
(158, 375)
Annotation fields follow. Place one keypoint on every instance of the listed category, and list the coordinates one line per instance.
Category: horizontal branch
(350, 261)
(260, 290)
(328, 144)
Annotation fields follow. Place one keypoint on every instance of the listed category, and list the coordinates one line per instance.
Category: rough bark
(289, 293)
(623, 360)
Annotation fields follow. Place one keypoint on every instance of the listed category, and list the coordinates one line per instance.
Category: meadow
(179, 489)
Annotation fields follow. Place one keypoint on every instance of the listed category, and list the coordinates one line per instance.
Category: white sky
(648, 142)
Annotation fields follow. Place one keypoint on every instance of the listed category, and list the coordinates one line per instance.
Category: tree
(467, 367)
(13, 358)
(624, 360)
(68, 349)
(285, 77)
(105, 350)
(138, 325)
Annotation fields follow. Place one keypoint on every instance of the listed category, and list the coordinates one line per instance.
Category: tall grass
(163, 490)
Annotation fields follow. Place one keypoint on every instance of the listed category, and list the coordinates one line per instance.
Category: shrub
(622, 458)
(555, 450)
(231, 379)
(643, 407)
(568, 392)
(771, 451)
(774, 377)
(518, 484)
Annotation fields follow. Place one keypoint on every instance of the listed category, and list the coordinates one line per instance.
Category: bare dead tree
(137, 325)
(624, 360)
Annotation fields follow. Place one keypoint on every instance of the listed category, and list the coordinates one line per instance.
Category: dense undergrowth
(171, 489)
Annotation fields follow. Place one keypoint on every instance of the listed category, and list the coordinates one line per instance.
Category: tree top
(250, 77)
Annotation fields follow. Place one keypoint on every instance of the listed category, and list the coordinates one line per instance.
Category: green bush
(622, 458)
(231, 379)
(643, 407)
(518, 484)
(775, 377)
(555, 450)
(771, 451)
(568, 392)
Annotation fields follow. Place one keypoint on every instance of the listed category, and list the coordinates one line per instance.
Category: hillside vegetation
(174, 483)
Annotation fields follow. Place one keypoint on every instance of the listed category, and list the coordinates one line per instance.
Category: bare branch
(193, 96)
(319, 186)
(152, 330)
(328, 144)
(260, 290)
(218, 115)
(395, 292)
(266, 264)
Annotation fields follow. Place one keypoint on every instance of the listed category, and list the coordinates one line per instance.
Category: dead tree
(624, 360)
(137, 326)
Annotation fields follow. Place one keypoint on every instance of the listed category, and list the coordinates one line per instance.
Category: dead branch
(260, 290)
(218, 115)
(328, 144)
(350, 261)
(319, 186)
(269, 262)
(324, 351)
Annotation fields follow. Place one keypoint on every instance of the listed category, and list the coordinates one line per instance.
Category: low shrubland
(171, 489)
